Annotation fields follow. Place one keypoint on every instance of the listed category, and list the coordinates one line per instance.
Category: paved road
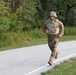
(33, 60)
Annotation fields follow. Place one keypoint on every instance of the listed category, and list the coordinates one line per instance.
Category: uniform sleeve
(44, 26)
(61, 27)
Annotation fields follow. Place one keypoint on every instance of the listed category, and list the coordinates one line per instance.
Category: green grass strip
(65, 68)
(34, 42)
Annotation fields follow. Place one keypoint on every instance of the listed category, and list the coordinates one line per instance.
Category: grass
(11, 40)
(37, 41)
(65, 68)
(68, 38)
(26, 44)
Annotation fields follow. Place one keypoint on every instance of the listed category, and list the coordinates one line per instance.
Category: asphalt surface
(33, 60)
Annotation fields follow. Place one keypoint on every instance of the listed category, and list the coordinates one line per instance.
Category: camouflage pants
(53, 43)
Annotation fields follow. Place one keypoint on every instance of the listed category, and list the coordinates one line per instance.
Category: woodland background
(22, 20)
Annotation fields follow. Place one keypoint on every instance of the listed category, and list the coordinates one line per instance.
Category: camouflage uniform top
(53, 27)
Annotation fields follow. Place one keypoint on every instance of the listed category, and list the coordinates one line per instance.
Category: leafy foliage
(4, 17)
(25, 15)
(19, 15)
(30, 11)
(63, 8)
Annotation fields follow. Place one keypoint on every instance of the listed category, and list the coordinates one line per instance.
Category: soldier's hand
(46, 31)
(60, 35)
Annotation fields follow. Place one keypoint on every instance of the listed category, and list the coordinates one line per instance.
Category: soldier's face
(52, 18)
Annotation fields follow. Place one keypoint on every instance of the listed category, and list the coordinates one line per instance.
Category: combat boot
(56, 56)
(50, 62)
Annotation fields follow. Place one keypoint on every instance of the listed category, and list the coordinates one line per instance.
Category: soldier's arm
(44, 27)
(61, 27)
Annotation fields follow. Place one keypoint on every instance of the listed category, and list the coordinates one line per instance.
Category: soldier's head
(53, 15)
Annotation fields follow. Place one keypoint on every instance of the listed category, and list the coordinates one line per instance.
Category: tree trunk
(75, 18)
(67, 13)
(48, 8)
(13, 3)
(67, 16)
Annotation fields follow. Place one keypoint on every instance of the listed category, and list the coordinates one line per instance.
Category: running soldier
(54, 30)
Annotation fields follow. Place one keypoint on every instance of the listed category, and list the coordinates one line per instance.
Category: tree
(44, 7)
(29, 13)
(4, 17)
(14, 4)
(68, 8)
(63, 8)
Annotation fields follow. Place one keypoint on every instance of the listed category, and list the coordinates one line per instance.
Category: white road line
(69, 56)
(36, 70)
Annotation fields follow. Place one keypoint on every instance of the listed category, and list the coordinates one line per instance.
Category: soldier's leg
(53, 47)
(54, 54)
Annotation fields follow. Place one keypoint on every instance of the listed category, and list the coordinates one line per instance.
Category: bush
(70, 31)
(6, 40)
(4, 24)
(36, 33)
(16, 26)
(11, 38)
